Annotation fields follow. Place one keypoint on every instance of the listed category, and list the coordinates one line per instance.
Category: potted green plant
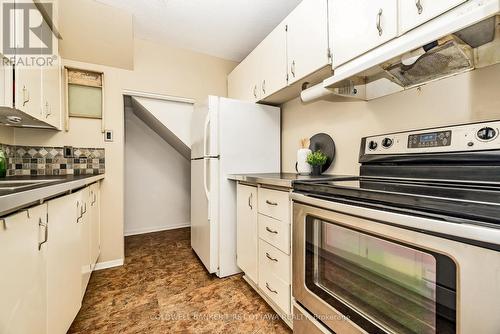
(317, 160)
(3, 164)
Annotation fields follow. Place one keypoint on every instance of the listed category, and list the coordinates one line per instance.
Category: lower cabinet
(47, 254)
(246, 231)
(85, 233)
(64, 280)
(23, 257)
(95, 223)
(263, 243)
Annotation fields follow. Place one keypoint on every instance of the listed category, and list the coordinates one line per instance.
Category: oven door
(358, 274)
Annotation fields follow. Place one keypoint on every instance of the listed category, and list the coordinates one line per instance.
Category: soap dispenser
(3, 164)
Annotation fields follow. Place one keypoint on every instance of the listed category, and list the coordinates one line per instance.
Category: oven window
(382, 285)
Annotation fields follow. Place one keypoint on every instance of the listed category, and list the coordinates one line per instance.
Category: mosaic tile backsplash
(37, 160)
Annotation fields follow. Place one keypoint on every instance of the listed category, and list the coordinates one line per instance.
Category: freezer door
(204, 129)
(204, 212)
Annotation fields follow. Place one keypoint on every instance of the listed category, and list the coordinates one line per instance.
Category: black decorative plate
(325, 144)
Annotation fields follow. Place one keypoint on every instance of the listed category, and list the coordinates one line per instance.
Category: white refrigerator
(228, 137)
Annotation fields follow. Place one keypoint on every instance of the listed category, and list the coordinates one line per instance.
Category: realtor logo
(25, 32)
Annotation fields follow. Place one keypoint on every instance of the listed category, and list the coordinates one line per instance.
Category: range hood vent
(459, 41)
(448, 57)
(16, 118)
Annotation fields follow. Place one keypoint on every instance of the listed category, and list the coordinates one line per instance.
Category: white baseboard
(155, 229)
(109, 264)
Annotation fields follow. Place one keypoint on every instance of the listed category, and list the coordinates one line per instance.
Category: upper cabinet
(413, 13)
(33, 85)
(297, 48)
(263, 72)
(272, 64)
(307, 39)
(242, 81)
(359, 26)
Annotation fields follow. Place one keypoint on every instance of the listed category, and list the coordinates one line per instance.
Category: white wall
(473, 96)
(177, 119)
(157, 179)
(160, 69)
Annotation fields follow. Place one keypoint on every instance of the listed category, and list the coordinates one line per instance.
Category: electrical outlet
(68, 151)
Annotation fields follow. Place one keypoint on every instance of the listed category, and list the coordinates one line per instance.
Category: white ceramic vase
(303, 168)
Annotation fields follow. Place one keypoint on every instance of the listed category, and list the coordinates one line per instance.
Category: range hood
(461, 40)
(15, 118)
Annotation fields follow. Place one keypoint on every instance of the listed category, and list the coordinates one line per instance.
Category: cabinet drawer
(275, 204)
(275, 232)
(274, 261)
(277, 290)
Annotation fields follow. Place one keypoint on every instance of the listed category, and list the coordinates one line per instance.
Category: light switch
(108, 135)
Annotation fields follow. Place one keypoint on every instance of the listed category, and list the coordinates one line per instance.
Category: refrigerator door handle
(205, 179)
(205, 135)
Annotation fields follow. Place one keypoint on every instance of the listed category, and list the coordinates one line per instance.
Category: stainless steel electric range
(412, 245)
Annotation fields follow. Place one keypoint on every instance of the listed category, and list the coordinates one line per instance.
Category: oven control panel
(460, 138)
(430, 139)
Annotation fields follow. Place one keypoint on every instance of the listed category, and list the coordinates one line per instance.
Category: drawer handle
(271, 203)
(379, 22)
(271, 258)
(420, 8)
(271, 231)
(269, 288)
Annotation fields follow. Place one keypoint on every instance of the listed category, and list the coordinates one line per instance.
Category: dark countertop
(285, 180)
(13, 199)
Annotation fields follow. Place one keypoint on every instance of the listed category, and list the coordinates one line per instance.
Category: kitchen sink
(14, 185)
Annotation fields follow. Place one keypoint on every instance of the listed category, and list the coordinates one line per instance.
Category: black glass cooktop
(454, 199)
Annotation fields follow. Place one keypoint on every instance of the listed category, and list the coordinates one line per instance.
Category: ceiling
(228, 29)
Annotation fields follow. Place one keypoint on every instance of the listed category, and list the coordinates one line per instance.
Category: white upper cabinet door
(28, 82)
(307, 38)
(247, 231)
(242, 81)
(271, 55)
(413, 13)
(23, 282)
(52, 86)
(359, 26)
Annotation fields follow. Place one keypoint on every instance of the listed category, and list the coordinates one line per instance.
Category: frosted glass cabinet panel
(85, 101)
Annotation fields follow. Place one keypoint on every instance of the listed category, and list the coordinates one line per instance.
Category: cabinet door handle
(264, 86)
(379, 22)
(48, 110)
(420, 8)
(271, 203)
(46, 226)
(292, 68)
(271, 258)
(271, 231)
(250, 201)
(255, 91)
(269, 288)
(25, 99)
(94, 199)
